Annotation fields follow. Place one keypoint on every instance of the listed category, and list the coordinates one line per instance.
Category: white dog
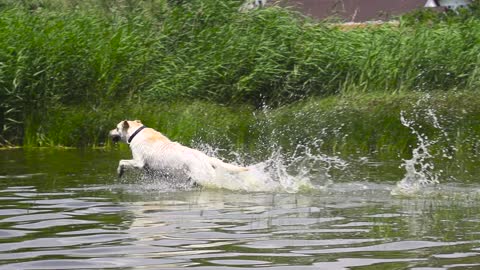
(151, 150)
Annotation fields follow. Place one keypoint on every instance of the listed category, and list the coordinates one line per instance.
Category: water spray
(420, 169)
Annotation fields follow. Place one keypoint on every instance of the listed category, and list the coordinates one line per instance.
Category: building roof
(363, 10)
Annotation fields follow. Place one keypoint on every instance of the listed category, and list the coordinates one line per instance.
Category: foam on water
(301, 170)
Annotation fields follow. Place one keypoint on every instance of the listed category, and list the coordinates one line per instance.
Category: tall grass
(67, 57)
(56, 59)
(190, 123)
(352, 126)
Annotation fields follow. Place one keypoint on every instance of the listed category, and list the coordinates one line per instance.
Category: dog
(153, 151)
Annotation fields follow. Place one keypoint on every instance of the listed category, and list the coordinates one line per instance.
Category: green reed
(190, 123)
(357, 124)
(94, 63)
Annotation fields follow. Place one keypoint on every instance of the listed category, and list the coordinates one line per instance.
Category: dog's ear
(125, 124)
(138, 121)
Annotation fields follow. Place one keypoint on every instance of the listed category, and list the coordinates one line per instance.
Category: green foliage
(441, 15)
(369, 125)
(358, 124)
(81, 59)
(48, 59)
(188, 123)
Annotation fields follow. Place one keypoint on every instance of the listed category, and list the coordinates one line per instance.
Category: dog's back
(153, 151)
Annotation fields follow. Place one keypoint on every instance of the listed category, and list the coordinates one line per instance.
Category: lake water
(65, 209)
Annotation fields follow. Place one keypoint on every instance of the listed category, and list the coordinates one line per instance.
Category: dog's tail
(229, 167)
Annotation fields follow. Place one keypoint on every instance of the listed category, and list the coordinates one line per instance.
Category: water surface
(65, 209)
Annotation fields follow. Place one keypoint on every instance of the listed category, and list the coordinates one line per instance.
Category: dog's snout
(116, 138)
(114, 135)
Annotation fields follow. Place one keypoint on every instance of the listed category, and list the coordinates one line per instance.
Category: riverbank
(366, 124)
(206, 73)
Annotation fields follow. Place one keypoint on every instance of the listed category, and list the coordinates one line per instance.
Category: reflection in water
(76, 216)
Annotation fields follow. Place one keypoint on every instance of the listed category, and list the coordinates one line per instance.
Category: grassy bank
(357, 124)
(202, 70)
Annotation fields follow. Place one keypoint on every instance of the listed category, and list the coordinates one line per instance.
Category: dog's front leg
(128, 164)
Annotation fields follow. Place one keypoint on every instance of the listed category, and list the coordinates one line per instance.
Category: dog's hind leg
(128, 164)
(215, 162)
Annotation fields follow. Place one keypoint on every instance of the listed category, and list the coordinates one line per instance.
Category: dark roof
(355, 10)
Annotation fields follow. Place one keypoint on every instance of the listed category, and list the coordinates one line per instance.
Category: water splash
(140, 181)
(420, 169)
(300, 171)
(306, 168)
(273, 168)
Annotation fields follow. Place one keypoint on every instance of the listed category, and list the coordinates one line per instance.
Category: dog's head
(124, 130)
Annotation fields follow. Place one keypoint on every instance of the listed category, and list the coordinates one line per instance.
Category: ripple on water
(54, 223)
(15, 212)
(59, 242)
(239, 262)
(34, 217)
(394, 246)
(65, 223)
(273, 244)
(67, 203)
(4, 234)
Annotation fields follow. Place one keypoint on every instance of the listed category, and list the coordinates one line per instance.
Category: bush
(92, 54)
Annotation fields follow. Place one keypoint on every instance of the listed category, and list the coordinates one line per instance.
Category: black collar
(135, 133)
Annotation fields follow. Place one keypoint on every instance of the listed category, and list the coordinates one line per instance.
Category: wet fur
(155, 153)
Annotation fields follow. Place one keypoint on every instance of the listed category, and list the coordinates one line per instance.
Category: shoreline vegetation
(200, 71)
